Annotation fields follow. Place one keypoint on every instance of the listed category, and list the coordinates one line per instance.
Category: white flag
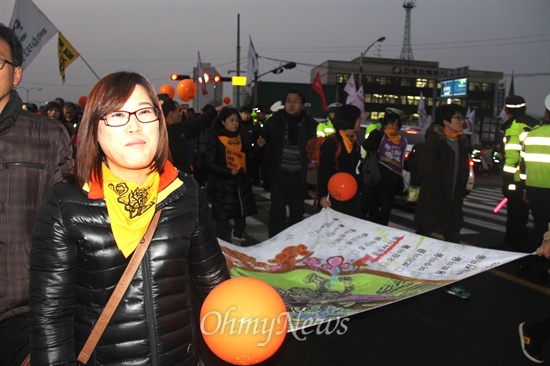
(32, 28)
(251, 68)
(503, 116)
(422, 114)
(471, 119)
(200, 74)
(355, 97)
(350, 89)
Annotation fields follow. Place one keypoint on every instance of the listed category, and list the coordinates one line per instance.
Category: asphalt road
(434, 328)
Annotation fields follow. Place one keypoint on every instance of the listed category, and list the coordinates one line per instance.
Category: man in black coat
(285, 136)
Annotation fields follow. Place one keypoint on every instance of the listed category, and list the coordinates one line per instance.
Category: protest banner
(331, 266)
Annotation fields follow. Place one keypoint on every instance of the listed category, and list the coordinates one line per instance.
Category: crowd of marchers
(85, 188)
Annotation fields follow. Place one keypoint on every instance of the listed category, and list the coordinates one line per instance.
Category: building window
(376, 115)
(421, 83)
(488, 87)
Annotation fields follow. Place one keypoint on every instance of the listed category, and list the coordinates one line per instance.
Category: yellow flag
(66, 54)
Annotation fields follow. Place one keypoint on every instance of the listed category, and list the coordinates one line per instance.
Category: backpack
(313, 151)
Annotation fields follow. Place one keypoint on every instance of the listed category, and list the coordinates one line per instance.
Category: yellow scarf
(231, 143)
(348, 140)
(393, 135)
(451, 134)
(130, 207)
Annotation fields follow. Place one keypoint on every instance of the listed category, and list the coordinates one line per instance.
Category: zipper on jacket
(4, 166)
(151, 321)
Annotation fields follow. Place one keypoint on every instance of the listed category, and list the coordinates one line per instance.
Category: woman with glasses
(89, 227)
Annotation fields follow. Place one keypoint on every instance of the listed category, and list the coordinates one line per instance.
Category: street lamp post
(379, 40)
(28, 90)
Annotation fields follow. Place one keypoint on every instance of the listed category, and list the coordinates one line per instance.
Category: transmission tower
(406, 51)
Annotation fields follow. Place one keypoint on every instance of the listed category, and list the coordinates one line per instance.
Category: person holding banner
(341, 153)
(389, 147)
(229, 185)
(444, 170)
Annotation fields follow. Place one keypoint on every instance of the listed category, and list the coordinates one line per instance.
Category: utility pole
(236, 91)
(379, 40)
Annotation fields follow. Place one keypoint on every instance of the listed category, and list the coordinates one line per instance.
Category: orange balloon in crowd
(227, 100)
(342, 186)
(167, 89)
(187, 89)
(82, 101)
(244, 321)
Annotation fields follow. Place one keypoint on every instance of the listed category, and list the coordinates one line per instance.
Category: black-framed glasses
(460, 118)
(121, 118)
(3, 61)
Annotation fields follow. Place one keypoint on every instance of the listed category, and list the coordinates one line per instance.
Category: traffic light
(206, 78)
(178, 77)
(289, 65)
(218, 78)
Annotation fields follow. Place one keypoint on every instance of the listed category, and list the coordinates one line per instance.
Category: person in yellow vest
(326, 128)
(535, 169)
(536, 158)
(374, 126)
(514, 129)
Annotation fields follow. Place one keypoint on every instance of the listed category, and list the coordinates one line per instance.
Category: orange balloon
(342, 186)
(167, 89)
(187, 89)
(82, 101)
(227, 100)
(243, 321)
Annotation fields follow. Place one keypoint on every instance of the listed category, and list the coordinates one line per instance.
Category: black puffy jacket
(75, 265)
(232, 195)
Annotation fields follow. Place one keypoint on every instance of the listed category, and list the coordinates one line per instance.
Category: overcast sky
(160, 37)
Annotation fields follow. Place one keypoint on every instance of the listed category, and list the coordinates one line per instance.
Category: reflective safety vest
(325, 128)
(372, 127)
(513, 138)
(536, 157)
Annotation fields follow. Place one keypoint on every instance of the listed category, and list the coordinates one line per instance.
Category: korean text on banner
(331, 266)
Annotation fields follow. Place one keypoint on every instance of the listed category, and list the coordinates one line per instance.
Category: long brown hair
(109, 95)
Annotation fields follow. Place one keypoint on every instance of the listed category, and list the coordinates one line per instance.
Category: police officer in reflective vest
(326, 128)
(515, 129)
(536, 173)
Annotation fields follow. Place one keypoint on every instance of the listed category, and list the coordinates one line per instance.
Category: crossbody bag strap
(118, 293)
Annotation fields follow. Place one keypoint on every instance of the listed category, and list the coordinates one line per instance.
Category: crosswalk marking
(478, 213)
